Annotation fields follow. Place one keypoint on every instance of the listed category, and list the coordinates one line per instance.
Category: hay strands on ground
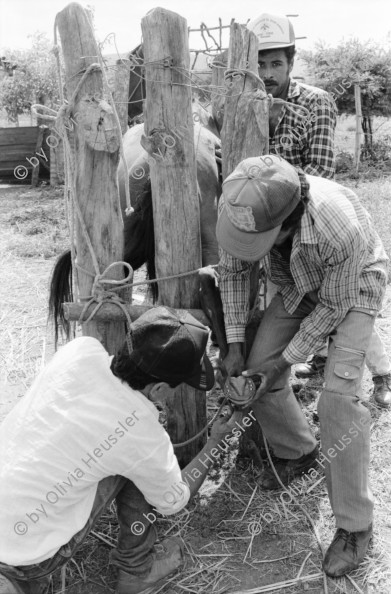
(285, 584)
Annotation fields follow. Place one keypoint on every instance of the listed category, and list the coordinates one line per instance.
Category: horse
(139, 241)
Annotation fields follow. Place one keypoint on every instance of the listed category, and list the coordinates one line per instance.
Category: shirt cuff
(236, 334)
(292, 354)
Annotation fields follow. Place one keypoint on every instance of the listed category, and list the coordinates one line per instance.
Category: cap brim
(264, 47)
(244, 245)
(204, 378)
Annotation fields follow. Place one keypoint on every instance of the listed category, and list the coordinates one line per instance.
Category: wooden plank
(96, 159)
(174, 193)
(109, 312)
(20, 151)
(19, 135)
(15, 141)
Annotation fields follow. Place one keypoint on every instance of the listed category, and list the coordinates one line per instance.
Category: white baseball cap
(273, 32)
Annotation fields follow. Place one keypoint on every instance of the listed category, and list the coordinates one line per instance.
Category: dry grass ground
(238, 539)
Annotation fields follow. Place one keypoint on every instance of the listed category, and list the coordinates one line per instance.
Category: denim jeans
(137, 536)
(344, 421)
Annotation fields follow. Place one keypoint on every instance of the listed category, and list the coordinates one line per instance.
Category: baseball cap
(273, 32)
(258, 196)
(170, 346)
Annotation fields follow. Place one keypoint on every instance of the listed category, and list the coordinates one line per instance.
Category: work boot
(167, 557)
(382, 390)
(313, 366)
(287, 470)
(346, 551)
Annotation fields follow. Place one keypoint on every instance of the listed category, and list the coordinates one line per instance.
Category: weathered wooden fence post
(245, 131)
(169, 142)
(96, 142)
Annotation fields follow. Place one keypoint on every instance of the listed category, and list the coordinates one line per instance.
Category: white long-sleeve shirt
(76, 425)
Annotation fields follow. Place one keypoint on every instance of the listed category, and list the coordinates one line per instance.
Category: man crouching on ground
(321, 249)
(87, 432)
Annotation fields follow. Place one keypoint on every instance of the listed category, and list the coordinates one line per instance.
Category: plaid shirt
(336, 251)
(307, 140)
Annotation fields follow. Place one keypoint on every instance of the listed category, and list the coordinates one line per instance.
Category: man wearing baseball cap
(87, 432)
(320, 248)
(302, 132)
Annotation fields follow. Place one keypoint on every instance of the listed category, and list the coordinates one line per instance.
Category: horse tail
(60, 291)
(139, 238)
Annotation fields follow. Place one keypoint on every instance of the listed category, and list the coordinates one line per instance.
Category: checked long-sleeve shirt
(335, 251)
(305, 137)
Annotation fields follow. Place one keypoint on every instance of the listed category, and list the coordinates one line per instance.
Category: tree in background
(352, 62)
(34, 79)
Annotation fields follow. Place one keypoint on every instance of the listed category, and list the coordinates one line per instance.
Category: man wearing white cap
(321, 249)
(302, 132)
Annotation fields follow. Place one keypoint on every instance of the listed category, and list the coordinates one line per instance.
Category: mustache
(270, 82)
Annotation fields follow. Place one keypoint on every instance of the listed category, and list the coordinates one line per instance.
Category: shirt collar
(293, 89)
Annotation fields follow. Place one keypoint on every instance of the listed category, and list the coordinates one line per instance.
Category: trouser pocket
(345, 371)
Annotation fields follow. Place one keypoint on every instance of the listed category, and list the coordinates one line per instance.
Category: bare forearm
(195, 472)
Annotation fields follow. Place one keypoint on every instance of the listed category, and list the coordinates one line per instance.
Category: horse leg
(213, 307)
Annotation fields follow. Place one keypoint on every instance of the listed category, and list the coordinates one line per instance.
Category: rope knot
(100, 294)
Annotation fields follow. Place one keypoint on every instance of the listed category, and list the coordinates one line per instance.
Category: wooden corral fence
(21, 154)
(94, 143)
(173, 176)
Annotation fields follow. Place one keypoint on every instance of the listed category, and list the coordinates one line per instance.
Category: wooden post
(357, 144)
(96, 142)
(170, 142)
(121, 92)
(111, 312)
(245, 131)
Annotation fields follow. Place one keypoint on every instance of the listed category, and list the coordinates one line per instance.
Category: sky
(327, 20)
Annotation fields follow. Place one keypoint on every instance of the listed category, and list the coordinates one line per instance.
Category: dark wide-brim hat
(170, 346)
(257, 197)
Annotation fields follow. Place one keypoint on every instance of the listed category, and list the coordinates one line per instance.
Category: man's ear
(291, 64)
